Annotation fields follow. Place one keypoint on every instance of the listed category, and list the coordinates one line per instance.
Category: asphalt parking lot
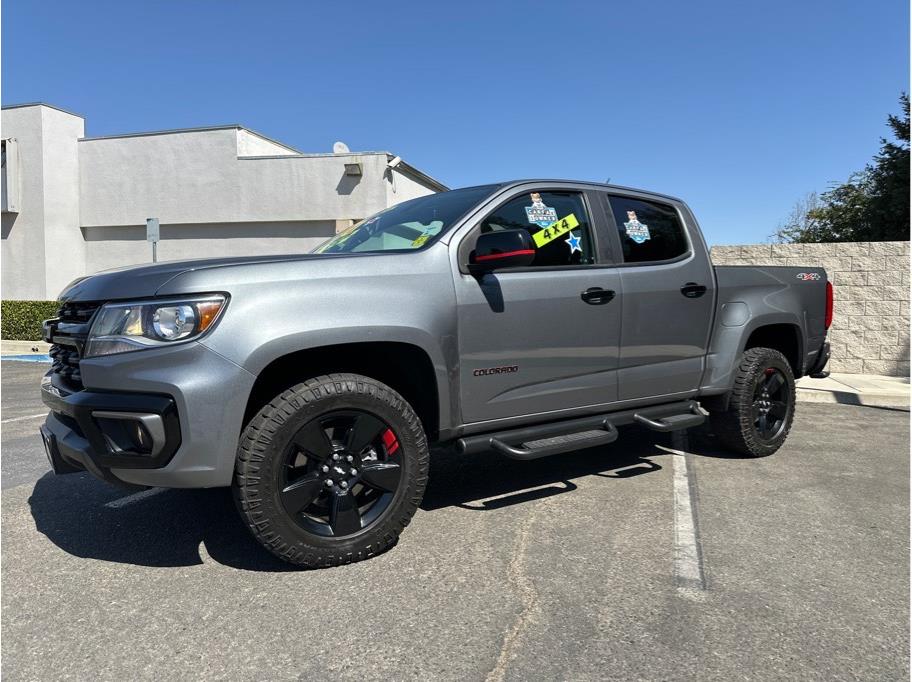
(562, 568)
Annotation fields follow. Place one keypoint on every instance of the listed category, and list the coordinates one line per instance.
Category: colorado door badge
(538, 213)
(636, 230)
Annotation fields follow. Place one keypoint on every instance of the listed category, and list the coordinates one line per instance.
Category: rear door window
(557, 222)
(649, 231)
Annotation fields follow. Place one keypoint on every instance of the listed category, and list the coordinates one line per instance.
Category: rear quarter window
(649, 231)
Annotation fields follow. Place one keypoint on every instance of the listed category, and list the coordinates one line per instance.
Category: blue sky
(739, 108)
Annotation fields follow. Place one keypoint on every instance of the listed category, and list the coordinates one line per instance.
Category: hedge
(21, 320)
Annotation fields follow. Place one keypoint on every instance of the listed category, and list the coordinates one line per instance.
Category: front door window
(557, 222)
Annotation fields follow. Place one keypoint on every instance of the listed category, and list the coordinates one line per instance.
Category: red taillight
(828, 318)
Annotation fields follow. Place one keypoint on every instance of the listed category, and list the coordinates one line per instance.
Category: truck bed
(791, 288)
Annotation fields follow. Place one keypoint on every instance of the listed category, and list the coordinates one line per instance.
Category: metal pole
(152, 235)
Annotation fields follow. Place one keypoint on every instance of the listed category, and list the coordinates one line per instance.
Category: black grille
(68, 335)
(77, 312)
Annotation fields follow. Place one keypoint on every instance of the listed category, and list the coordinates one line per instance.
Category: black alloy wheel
(341, 471)
(771, 404)
(758, 414)
(331, 470)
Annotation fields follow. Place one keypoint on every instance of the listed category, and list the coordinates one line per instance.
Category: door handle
(597, 295)
(693, 290)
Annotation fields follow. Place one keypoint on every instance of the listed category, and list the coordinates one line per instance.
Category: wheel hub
(342, 470)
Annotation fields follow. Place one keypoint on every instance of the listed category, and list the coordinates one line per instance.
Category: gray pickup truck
(526, 319)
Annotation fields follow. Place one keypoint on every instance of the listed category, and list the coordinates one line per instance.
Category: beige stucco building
(74, 205)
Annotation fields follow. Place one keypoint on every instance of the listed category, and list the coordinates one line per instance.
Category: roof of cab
(600, 185)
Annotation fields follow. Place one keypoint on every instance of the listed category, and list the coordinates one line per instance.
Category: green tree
(800, 225)
(873, 205)
(888, 189)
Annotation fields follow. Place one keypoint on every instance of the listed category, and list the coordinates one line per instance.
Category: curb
(867, 399)
(23, 347)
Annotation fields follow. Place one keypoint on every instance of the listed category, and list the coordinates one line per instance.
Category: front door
(530, 340)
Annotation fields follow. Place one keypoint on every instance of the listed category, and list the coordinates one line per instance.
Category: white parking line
(21, 419)
(135, 497)
(688, 557)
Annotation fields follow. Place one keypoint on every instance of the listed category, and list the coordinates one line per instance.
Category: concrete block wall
(870, 332)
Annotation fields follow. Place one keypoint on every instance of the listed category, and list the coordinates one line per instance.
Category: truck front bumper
(98, 431)
(167, 417)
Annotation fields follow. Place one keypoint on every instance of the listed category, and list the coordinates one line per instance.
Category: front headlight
(125, 327)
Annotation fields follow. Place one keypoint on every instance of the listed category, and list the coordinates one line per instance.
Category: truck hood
(138, 281)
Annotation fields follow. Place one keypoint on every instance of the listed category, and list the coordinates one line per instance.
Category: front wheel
(761, 406)
(331, 470)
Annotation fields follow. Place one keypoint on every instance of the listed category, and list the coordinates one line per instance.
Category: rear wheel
(331, 470)
(761, 406)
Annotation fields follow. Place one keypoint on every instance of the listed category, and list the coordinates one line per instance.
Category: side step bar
(674, 422)
(554, 445)
(544, 440)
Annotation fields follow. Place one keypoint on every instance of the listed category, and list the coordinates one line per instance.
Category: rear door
(668, 295)
(531, 340)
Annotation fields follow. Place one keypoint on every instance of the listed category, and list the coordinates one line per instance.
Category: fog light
(131, 433)
(141, 438)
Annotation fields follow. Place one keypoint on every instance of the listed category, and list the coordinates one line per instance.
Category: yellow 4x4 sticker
(555, 230)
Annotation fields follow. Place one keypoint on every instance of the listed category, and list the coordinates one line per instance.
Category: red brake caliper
(390, 442)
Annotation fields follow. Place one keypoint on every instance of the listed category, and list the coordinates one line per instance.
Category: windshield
(409, 225)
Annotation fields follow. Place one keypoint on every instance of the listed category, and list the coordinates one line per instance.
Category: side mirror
(502, 249)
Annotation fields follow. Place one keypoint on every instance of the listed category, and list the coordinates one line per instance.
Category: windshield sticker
(554, 230)
(574, 243)
(637, 231)
(342, 237)
(421, 239)
(538, 213)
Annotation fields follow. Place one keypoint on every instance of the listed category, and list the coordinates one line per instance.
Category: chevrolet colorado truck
(527, 319)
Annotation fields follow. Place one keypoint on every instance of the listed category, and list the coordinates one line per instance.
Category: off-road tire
(735, 426)
(266, 437)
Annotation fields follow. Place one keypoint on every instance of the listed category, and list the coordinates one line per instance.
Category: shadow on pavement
(490, 481)
(162, 527)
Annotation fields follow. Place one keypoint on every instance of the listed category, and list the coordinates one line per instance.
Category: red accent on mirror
(505, 254)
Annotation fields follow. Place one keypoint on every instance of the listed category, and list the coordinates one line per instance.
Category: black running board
(672, 422)
(554, 445)
(544, 440)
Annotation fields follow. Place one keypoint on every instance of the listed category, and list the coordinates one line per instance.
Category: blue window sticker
(637, 231)
(574, 243)
(538, 213)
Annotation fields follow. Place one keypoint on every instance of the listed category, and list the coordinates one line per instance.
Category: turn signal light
(207, 313)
